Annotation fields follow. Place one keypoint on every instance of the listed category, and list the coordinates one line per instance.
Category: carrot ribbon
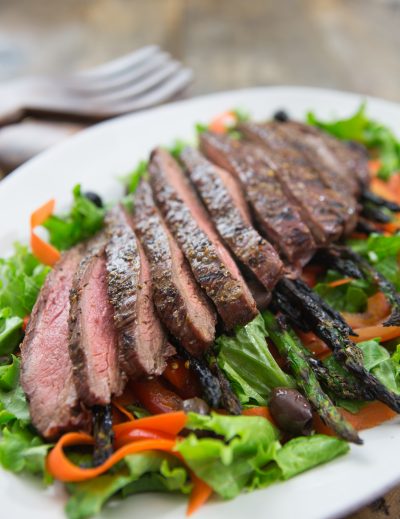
(45, 252)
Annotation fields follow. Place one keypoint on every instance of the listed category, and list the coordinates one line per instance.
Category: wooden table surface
(343, 44)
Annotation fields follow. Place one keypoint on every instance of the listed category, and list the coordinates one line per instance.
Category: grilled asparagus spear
(341, 386)
(291, 348)
(343, 348)
(103, 434)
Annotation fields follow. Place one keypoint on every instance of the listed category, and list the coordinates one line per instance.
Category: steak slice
(182, 306)
(288, 139)
(277, 217)
(143, 347)
(349, 160)
(93, 345)
(46, 375)
(211, 263)
(320, 207)
(224, 200)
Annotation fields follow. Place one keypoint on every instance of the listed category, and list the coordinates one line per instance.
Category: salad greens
(374, 135)
(147, 472)
(351, 297)
(131, 181)
(250, 455)
(248, 364)
(382, 252)
(21, 449)
(21, 277)
(83, 220)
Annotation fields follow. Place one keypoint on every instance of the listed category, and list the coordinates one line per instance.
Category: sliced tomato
(184, 380)
(155, 396)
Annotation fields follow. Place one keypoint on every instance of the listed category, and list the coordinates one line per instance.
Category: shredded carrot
(384, 333)
(45, 252)
(374, 166)
(378, 308)
(340, 282)
(259, 411)
(61, 468)
(170, 423)
(201, 492)
(389, 189)
(371, 415)
(222, 122)
(314, 344)
(135, 435)
(123, 410)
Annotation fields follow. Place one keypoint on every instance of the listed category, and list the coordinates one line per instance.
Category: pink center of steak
(197, 307)
(46, 366)
(99, 334)
(149, 332)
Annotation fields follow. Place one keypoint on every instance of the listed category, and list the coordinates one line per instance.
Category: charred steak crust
(93, 345)
(346, 158)
(143, 347)
(183, 308)
(222, 196)
(325, 186)
(211, 264)
(319, 205)
(46, 374)
(278, 219)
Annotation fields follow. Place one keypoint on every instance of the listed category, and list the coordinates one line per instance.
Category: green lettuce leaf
(245, 359)
(13, 405)
(9, 374)
(131, 181)
(249, 455)
(229, 465)
(377, 360)
(10, 331)
(150, 471)
(21, 277)
(351, 297)
(22, 450)
(382, 252)
(374, 135)
(305, 452)
(82, 222)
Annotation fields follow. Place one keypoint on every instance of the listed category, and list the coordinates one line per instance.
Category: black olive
(291, 411)
(281, 116)
(94, 197)
(196, 405)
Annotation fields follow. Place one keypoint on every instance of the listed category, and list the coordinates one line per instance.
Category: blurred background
(345, 44)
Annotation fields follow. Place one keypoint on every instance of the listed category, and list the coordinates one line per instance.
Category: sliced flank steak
(289, 140)
(347, 159)
(278, 218)
(320, 207)
(143, 346)
(211, 263)
(222, 196)
(46, 375)
(93, 345)
(181, 305)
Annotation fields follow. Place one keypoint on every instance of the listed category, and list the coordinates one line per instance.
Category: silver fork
(144, 78)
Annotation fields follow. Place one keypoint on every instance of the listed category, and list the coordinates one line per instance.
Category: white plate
(95, 158)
